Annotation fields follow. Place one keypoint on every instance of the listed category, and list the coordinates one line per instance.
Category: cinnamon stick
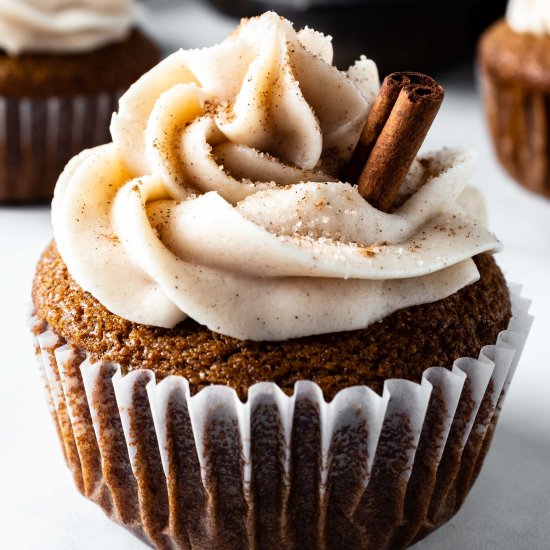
(396, 127)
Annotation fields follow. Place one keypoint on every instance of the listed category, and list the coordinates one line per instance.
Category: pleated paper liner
(39, 136)
(519, 122)
(208, 471)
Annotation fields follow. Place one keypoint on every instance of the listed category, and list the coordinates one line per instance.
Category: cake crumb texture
(112, 67)
(402, 345)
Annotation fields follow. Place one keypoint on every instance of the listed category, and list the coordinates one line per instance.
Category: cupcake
(63, 66)
(238, 349)
(514, 59)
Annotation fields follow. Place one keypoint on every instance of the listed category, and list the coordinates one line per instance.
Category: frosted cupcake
(514, 58)
(213, 284)
(63, 66)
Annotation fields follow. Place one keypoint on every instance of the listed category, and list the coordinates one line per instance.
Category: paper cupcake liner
(519, 122)
(38, 136)
(208, 471)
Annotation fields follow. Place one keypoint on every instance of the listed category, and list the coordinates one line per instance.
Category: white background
(509, 508)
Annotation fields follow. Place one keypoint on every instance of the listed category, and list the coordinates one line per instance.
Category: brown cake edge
(112, 67)
(522, 59)
(402, 345)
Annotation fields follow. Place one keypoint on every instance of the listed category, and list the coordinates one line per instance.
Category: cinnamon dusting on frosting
(242, 225)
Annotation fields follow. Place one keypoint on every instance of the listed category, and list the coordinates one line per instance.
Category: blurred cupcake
(514, 59)
(63, 66)
(235, 344)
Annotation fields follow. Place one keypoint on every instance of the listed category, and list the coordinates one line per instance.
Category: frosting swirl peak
(218, 198)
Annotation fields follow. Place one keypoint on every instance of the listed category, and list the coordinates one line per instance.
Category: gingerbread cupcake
(241, 350)
(63, 66)
(514, 60)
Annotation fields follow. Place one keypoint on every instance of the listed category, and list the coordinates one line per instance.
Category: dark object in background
(420, 35)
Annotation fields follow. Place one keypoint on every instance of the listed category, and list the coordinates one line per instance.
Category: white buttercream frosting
(216, 201)
(63, 26)
(530, 16)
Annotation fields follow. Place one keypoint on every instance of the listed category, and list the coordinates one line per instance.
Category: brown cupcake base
(519, 121)
(362, 472)
(54, 106)
(400, 346)
(39, 136)
(515, 71)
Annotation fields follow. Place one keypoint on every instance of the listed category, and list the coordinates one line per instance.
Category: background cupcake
(63, 66)
(199, 208)
(514, 59)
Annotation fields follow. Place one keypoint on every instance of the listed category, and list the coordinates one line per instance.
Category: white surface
(507, 510)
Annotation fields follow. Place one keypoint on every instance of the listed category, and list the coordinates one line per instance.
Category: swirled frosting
(218, 198)
(530, 16)
(65, 26)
